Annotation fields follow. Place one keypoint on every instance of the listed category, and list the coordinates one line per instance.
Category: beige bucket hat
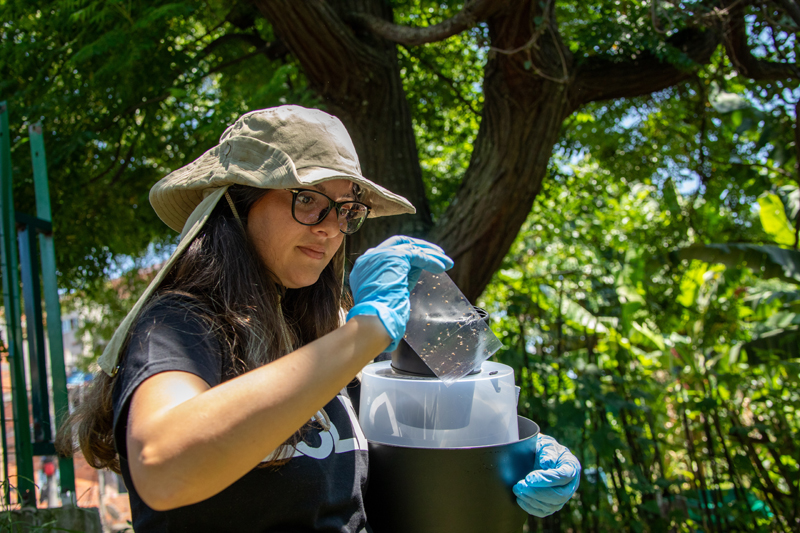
(276, 148)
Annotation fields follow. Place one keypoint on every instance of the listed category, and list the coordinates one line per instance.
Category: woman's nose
(329, 226)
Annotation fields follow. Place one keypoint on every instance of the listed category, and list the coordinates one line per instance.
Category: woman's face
(294, 253)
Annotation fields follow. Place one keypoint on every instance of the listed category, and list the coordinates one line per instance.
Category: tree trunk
(358, 78)
(522, 117)
(509, 162)
(389, 157)
(531, 86)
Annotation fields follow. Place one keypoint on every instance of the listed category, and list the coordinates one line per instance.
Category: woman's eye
(304, 199)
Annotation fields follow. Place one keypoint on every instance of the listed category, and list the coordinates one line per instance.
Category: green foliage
(668, 362)
(770, 261)
(778, 213)
(127, 92)
(650, 303)
(14, 518)
(774, 221)
(617, 30)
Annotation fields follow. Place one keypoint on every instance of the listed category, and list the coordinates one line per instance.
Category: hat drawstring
(233, 209)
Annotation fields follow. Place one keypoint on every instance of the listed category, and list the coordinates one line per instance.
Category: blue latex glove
(556, 475)
(382, 279)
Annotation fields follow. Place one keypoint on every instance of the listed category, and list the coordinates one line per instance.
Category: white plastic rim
(424, 412)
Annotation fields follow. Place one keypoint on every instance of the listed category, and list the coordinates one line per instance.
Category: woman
(206, 434)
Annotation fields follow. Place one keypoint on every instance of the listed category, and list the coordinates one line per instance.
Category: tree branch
(534, 52)
(735, 39)
(779, 170)
(125, 163)
(473, 12)
(452, 84)
(273, 50)
(250, 38)
(235, 61)
(601, 79)
(131, 109)
(114, 160)
(654, 17)
(536, 32)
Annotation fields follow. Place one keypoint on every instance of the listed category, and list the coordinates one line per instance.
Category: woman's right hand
(383, 277)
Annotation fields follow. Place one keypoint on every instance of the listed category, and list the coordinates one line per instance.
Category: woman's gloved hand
(383, 277)
(556, 475)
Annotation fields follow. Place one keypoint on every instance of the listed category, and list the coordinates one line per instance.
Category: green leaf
(735, 353)
(736, 119)
(573, 312)
(768, 261)
(690, 284)
(655, 338)
(773, 219)
(760, 296)
(780, 320)
(671, 197)
(790, 195)
(176, 92)
(630, 298)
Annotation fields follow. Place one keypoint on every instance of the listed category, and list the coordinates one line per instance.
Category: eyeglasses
(311, 207)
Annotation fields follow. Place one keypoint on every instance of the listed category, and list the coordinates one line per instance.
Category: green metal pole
(6, 494)
(22, 433)
(52, 305)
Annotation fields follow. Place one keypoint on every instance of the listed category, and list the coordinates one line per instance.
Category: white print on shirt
(331, 442)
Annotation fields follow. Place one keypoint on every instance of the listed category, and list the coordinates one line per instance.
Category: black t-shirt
(319, 490)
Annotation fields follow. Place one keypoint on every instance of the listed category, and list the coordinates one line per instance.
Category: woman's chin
(298, 282)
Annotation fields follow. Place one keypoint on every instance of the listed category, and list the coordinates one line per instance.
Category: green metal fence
(35, 264)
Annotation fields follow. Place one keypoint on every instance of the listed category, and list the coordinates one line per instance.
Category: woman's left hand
(383, 277)
(556, 476)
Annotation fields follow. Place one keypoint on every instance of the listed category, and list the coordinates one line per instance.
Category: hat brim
(251, 162)
(382, 202)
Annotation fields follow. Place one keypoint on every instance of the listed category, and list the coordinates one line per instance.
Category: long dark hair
(255, 320)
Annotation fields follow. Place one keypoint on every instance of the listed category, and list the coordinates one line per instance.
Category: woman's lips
(314, 253)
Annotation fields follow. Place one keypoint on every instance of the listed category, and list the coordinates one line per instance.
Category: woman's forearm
(187, 442)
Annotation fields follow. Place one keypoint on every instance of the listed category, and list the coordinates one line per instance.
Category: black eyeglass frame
(332, 205)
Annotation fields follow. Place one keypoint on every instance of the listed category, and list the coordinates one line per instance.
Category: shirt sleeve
(170, 336)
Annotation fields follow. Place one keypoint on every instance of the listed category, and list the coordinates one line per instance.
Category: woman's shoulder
(176, 303)
(174, 326)
(171, 309)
